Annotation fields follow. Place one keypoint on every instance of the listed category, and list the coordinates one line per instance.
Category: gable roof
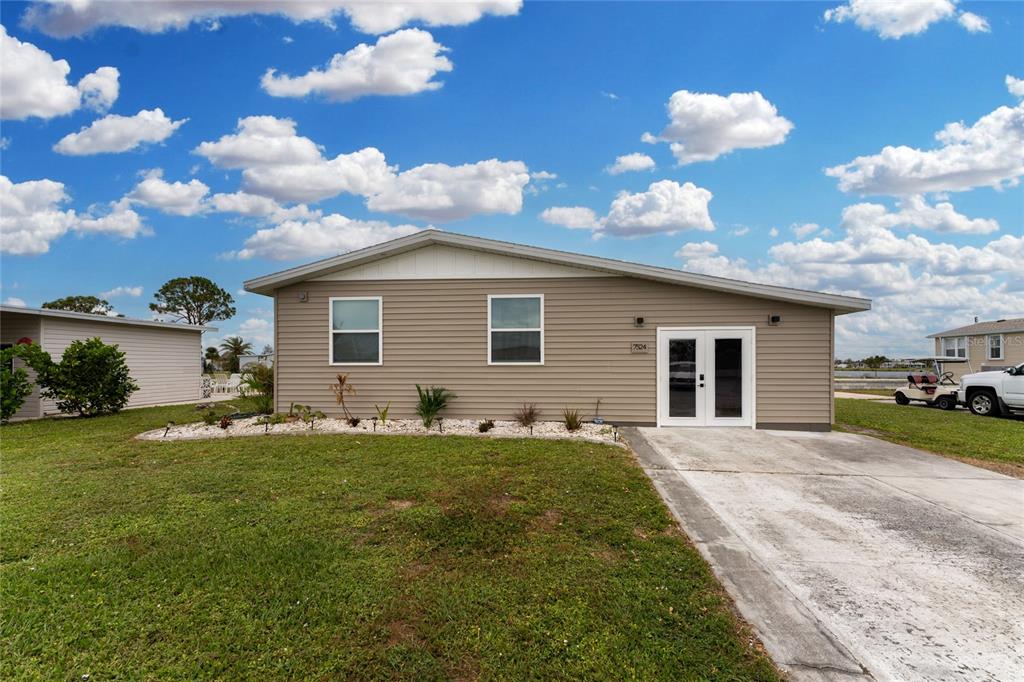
(268, 283)
(91, 317)
(992, 327)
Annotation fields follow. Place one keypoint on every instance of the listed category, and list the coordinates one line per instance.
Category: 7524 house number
(638, 348)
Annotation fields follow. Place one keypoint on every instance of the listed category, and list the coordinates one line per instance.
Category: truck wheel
(983, 403)
(945, 402)
(902, 399)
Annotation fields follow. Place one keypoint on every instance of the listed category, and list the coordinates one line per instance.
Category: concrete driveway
(853, 558)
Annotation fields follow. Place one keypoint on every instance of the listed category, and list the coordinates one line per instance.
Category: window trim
(331, 331)
(988, 347)
(490, 331)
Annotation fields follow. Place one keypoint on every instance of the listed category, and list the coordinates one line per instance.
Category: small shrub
(312, 417)
(431, 401)
(485, 426)
(15, 384)
(91, 378)
(353, 421)
(342, 387)
(382, 413)
(225, 421)
(527, 415)
(278, 418)
(573, 420)
(258, 386)
(210, 418)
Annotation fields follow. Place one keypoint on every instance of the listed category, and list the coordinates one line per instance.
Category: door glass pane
(682, 374)
(356, 347)
(356, 315)
(728, 377)
(515, 346)
(515, 313)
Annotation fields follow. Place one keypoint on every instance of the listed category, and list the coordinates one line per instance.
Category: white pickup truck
(993, 393)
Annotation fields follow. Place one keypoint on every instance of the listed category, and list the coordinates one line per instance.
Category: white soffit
(437, 261)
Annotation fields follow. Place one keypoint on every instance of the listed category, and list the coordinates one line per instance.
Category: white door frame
(749, 389)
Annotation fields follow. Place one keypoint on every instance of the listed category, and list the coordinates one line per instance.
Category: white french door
(705, 376)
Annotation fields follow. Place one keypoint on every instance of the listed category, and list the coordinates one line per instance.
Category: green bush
(15, 384)
(258, 385)
(573, 420)
(431, 401)
(92, 378)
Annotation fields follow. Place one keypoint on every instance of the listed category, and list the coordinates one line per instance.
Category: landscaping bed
(255, 426)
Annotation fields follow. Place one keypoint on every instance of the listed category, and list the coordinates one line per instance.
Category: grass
(887, 392)
(346, 557)
(986, 441)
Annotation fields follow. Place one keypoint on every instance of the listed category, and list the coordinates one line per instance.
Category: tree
(80, 304)
(195, 300)
(231, 348)
(92, 378)
(874, 362)
(211, 359)
(267, 350)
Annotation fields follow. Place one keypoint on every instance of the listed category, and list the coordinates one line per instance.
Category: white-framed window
(954, 346)
(995, 347)
(515, 329)
(355, 331)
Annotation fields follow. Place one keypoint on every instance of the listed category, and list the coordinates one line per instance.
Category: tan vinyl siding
(977, 353)
(435, 332)
(163, 361)
(13, 327)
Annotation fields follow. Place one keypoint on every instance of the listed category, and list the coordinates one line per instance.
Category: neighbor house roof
(268, 283)
(992, 327)
(46, 312)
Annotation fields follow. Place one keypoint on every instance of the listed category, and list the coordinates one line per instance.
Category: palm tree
(231, 348)
(212, 358)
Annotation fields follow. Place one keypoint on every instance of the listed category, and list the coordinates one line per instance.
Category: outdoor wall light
(638, 321)
(774, 319)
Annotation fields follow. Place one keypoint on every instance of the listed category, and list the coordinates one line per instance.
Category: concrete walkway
(851, 557)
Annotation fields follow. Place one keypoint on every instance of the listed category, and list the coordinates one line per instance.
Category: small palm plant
(431, 401)
(573, 420)
(343, 387)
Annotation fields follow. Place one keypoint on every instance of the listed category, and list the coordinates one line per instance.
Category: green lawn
(886, 392)
(346, 557)
(956, 433)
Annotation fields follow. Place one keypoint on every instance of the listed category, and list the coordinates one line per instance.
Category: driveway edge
(796, 640)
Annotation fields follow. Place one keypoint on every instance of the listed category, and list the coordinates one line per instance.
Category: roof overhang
(89, 317)
(267, 284)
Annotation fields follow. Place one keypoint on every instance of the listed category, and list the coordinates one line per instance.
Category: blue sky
(767, 96)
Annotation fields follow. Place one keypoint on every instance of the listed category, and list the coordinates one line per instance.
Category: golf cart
(936, 389)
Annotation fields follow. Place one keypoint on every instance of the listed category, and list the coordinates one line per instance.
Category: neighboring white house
(266, 359)
(164, 358)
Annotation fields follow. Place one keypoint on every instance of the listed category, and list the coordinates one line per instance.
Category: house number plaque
(638, 348)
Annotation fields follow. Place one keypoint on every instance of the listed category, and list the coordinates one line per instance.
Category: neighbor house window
(995, 347)
(955, 347)
(355, 331)
(515, 329)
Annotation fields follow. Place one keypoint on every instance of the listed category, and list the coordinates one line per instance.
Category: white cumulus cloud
(117, 292)
(626, 163)
(256, 206)
(895, 19)
(403, 63)
(35, 84)
(113, 134)
(32, 216)
(665, 208)
(437, 191)
(15, 302)
(327, 236)
(66, 18)
(176, 198)
(1015, 85)
(704, 126)
(985, 154)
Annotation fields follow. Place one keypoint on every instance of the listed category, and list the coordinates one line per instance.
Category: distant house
(986, 345)
(266, 359)
(504, 324)
(164, 359)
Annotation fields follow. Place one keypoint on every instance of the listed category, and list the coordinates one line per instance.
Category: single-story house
(992, 345)
(503, 324)
(246, 359)
(164, 358)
